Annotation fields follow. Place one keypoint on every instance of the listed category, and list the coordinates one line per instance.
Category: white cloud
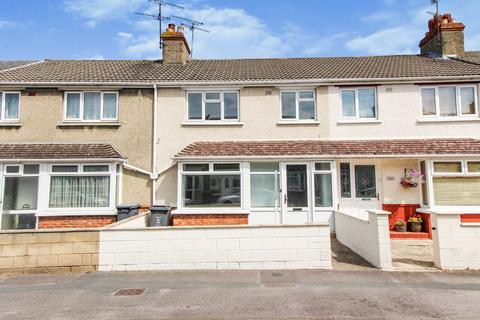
(96, 56)
(95, 11)
(397, 40)
(5, 24)
(381, 16)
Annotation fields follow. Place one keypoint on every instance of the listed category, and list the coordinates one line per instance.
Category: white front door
(296, 196)
(359, 187)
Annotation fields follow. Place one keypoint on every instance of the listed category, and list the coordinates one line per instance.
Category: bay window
(213, 106)
(210, 185)
(298, 105)
(359, 103)
(80, 186)
(91, 106)
(449, 101)
(9, 106)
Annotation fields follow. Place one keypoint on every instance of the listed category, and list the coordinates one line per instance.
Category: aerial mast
(192, 25)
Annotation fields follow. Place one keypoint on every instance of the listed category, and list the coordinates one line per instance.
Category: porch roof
(57, 151)
(331, 148)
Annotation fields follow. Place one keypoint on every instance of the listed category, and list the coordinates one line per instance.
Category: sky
(109, 29)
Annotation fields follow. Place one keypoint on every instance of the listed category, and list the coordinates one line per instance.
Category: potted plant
(412, 178)
(400, 226)
(415, 223)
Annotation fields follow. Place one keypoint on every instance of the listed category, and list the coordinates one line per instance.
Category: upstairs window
(213, 106)
(359, 103)
(10, 106)
(449, 101)
(91, 106)
(298, 105)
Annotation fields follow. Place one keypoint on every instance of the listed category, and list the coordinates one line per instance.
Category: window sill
(223, 211)
(357, 121)
(297, 123)
(10, 124)
(441, 120)
(77, 212)
(89, 124)
(211, 124)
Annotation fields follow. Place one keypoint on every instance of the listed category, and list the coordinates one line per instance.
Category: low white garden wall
(368, 238)
(224, 247)
(456, 245)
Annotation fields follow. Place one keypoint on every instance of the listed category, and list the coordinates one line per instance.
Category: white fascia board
(302, 157)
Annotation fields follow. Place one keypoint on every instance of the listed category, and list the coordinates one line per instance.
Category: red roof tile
(11, 151)
(332, 148)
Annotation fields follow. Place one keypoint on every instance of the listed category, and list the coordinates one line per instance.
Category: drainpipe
(154, 175)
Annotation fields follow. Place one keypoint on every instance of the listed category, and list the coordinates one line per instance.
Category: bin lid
(159, 208)
(128, 206)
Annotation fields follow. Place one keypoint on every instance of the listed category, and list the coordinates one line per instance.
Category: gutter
(324, 157)
(154, 175)
(173, 84)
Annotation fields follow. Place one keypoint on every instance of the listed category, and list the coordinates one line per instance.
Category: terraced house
(258, 141)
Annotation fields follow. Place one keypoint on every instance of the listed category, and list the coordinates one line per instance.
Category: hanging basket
(407, 184)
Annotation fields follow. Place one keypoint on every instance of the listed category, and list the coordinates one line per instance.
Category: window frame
(464, 169)
(458, 103)
(276, 174)
(82, 105)
(4, 106)
(357, 105)
(181, 173)
(297, 104)
(111, 173)
(332, 174)
(20, 173)
(222, 93)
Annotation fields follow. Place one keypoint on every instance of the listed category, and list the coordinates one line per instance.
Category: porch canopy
(298, 149)
(58, 151)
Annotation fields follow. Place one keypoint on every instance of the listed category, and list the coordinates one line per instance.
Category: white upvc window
(453, 184)
(81, 186)
(90, 106)
(449, 101)
(210, 185)
(323, 184)
(9, 106)
(359, 103)
(213, 106)
(298, 105)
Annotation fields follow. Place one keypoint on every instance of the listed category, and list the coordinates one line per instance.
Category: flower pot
(416, 226)
(401, 228)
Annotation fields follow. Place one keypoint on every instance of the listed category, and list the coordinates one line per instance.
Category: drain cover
(276, 274)
(129, 292)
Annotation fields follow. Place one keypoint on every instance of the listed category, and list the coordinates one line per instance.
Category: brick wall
(209, 219)
(49, 251)
(75, 221)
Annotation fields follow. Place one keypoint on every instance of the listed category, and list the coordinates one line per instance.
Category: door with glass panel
(359, 188)
(296, 194)
(19, 189)
(264, 193)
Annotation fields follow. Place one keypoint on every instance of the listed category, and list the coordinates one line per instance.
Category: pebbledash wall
(223, 247)
(132, 136)
(259, 111)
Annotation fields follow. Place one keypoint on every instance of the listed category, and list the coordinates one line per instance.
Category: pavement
(413, 255)
(299, 294)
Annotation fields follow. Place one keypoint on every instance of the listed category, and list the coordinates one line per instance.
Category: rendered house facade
(259, 141)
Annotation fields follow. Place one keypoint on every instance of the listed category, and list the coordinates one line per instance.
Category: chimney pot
(175, 46)
(444, 37)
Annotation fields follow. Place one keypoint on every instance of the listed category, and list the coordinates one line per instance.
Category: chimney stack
(444, 37)
(175, 46)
